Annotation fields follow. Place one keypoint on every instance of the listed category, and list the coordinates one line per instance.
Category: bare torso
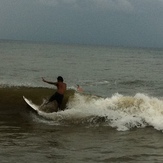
(61, 87)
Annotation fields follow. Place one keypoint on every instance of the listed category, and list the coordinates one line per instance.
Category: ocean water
(117, 118)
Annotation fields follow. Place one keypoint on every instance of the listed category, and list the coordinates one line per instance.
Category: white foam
(120, 112)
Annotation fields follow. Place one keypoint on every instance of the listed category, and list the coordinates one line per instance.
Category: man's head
(60, 78)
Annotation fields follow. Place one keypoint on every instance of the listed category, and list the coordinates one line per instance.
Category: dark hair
(60, 78)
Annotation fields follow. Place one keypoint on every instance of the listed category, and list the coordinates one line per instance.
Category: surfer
(59, 94)
(79, 89)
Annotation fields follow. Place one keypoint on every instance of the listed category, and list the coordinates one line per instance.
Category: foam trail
(120, 112)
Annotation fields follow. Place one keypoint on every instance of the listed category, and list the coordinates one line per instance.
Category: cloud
(112, 5)
(57, 2)
(129, 22)
(49, 2)
(96, 4)
(123, 5)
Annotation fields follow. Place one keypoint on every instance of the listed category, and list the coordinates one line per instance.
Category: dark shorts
(57, 97)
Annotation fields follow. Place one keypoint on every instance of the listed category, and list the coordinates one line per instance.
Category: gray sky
(106, 22)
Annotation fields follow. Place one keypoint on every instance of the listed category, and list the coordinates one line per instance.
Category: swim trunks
(58, 97)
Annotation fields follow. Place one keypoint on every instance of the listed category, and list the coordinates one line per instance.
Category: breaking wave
(118, 111)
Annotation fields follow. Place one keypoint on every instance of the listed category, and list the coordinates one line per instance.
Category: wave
(12, 96)
(118, 111)
(137, 83)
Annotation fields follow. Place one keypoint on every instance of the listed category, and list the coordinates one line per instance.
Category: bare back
(61, 87)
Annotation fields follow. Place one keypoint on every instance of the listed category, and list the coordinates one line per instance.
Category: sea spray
(120, 112)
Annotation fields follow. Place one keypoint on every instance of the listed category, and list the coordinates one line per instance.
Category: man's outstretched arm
(49, 82)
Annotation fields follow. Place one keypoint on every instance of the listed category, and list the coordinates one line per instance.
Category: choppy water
(118, 118)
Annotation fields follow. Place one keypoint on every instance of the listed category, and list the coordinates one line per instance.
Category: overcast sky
(106, 22)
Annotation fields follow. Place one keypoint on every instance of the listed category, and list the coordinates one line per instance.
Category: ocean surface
(117, 118)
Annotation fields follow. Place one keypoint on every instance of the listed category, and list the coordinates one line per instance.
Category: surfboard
(31, 104)
(46, 108)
